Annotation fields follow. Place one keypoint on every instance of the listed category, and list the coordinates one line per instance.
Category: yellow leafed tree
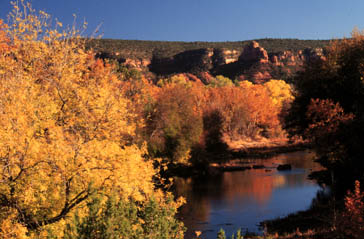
(280, 92)
(65, 128)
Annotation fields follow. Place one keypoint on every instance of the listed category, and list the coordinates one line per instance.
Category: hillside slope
(257, 60)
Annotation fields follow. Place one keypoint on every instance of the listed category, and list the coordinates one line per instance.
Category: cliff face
(254, 53)
(252, 62)
(189, 61)
(224, 56)
(255, 64)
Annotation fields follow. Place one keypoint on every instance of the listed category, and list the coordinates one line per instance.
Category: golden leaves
(280, 92)
(11, 229)
(64, 125)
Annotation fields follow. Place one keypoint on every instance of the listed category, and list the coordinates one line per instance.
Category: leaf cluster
(188, 119)
(67, 128)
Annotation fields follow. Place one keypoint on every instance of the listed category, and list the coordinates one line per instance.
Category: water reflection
(244, 198)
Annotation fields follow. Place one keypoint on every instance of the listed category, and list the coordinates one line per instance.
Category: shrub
(126, 219)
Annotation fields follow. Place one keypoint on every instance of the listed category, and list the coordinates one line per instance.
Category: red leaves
(354, 204)
(325, 117)
(352, 221)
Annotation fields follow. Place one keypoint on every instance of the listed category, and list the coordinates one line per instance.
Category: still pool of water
(242, 199)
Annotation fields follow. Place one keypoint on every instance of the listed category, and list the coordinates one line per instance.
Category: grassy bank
(232, 158)
(264, 148)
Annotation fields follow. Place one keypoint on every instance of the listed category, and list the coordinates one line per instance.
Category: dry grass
(258, 142)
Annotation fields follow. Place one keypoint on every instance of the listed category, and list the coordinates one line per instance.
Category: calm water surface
(242, 199)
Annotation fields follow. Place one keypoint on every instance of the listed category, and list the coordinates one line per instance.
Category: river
(242, 199)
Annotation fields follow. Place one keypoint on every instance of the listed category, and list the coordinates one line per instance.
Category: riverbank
(234, 158)
(315, 222)
(323, 220)
(264, 148)
(242, 199)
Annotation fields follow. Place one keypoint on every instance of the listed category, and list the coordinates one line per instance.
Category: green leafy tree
(126, 219)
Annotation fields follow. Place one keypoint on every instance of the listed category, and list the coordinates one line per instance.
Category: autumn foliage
(175, 124)
(325, 118)
(328, 112)
(82, 137)
(185, 115)
(66, 130)
(351, 224)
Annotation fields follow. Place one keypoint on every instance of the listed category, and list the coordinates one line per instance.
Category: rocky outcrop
(256, 65)
(251, 62)
(310, 54)
(286, 58)
(261, 77)
(254, 53)
(188, 61)
(138, 63)
(223, 56)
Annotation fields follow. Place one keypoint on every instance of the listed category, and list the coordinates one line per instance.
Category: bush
(351, 223)
(126, 219)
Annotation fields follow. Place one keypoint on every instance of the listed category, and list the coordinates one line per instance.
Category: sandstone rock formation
(192, 61)
(254, 53)
(251, 62)
(223, 56)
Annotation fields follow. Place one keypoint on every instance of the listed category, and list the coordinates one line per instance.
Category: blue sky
(208, 20)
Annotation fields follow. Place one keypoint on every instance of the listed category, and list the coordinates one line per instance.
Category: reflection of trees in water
(300, 159)
(246, 187)
(306, 159)
(256, 184)
(259, 184)
(198, 193)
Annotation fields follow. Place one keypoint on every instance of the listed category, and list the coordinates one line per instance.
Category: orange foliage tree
(351, 224)
(65, 129)
(246, 110)
(174, 125)
(325, 119)
(335, 122)
(4, 40)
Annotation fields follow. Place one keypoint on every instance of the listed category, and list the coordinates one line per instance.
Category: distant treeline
(147, 49)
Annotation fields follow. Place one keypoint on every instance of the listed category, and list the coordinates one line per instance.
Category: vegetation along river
(242, 199)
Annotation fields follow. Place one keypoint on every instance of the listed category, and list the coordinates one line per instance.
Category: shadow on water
(242, 199)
